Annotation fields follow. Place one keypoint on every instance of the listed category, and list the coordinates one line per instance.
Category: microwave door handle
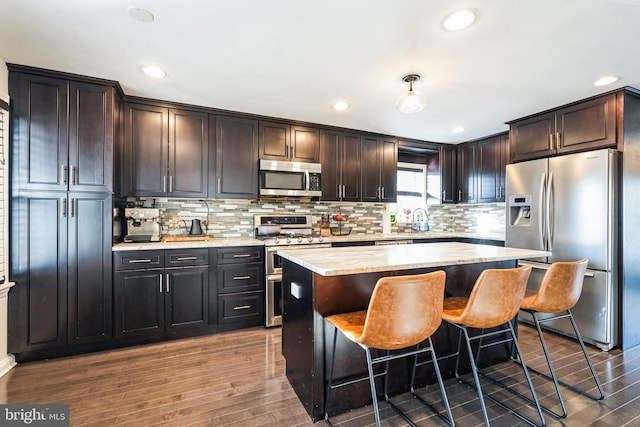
(306, 180)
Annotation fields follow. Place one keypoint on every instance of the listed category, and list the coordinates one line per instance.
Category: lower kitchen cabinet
(239, 286)
(61, 263)
(171, 295)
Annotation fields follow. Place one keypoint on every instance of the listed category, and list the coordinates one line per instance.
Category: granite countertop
(211, 243)
(414, 236)
(368, 259)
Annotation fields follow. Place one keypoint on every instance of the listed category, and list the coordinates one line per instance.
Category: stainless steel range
(280, 231)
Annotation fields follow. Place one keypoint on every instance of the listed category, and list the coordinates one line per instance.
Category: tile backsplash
(234, 218)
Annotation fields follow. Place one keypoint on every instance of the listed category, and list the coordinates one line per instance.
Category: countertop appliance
(280, 178)
(568, 205)
(143, 225)
(294, 231)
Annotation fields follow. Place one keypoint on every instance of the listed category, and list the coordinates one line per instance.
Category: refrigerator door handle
(549, 208)
(543, 266)
(541, 227)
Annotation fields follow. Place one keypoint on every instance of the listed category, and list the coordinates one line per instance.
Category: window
(412, 190)
(4, 140)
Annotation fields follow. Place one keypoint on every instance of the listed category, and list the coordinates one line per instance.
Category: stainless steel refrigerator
(568, 205)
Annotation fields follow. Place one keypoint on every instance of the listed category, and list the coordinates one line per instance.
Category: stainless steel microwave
(278, 178)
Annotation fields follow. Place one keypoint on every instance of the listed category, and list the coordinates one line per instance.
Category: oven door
(273, 261)
(273, 297)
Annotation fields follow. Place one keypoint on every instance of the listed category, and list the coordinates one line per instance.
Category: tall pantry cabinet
(61, 211)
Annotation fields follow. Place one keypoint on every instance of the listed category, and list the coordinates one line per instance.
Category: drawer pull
(241, 307)
(241, 277)
(137, 261)
(187, 258)
(242, 255)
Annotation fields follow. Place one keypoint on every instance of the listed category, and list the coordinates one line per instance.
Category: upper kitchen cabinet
(492, 161)
(279, 141)
(379, 168)
(63, 133)
(236, 162)
(166, 151)
(466, 155)
(582, 126)
(448, 173)
(340, 159)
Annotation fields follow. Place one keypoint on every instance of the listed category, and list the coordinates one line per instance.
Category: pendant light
(411, 102)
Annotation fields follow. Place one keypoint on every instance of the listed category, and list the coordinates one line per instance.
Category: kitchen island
(321, 282)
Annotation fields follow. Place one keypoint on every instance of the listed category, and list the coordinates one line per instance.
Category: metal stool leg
(330, 382)
(372, 382)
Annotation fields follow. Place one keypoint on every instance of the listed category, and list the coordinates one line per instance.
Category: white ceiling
(294, 58)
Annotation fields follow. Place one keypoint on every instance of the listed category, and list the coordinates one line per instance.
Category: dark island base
(306, 337)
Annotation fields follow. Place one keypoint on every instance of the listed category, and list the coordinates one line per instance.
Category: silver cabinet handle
(72, 207)
(168, 282)
(187, 258)
(160, 290)
(72, 175)
(164, 183)
(241, 277)
(344, 191)
(339, 191)
(459, 195)
(241, 255)
(136, 261)
(63, 174)
(551, 145)
(382, 193)
(241, 307)
(63, 207)
(558, 140)
(170, 183)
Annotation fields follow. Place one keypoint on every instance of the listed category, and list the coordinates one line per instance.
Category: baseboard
(6, 364)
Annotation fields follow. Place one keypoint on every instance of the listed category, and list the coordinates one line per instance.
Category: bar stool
(559, 291)
(494, 301)
(403, 312)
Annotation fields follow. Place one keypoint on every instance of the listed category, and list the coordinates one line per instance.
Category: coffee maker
(143, 225)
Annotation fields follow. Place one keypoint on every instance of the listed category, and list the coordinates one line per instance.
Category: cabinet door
(389, 169)
(139, 303)
(587, 125)
(38, 301)
(489, 186)
(331, 164)
(532, 138)
(187, 297)
(89, 267)
(275, 141)
(40, 132)
(350, 167)
(448, 174)
(305, 144)
(466, 162)
(502, 164)
(236, 145)
(91, 131)
(145, 150)
(370, 170)
(188, 153)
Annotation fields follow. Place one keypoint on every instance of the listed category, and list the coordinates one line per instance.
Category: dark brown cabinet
(448, 174)
(165, 151)
(280, 141)
(340, 158)
(63, 134)
(466, 160)
(492, 160)
(379, 167)
(61, 263)
(239, 286)
(582, 126)
(159, 292)
(236, 162)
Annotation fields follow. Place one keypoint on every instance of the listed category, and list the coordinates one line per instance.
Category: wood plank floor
(237, 379)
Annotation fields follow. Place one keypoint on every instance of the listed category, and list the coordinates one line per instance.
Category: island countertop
(369, 259)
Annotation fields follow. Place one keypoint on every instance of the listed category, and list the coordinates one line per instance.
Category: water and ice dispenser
(520, 210)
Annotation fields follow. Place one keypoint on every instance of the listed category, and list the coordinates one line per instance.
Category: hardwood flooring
(237, 379)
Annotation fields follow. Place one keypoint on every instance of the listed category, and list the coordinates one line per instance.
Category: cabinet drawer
(241, 307)
(240, 278)
(188, 257)
(238, 255)
(138, 260)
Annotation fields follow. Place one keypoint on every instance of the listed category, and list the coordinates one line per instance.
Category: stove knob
(300, 239)
(310, 239)
(288, 239)
(276, 240)
(320, 239)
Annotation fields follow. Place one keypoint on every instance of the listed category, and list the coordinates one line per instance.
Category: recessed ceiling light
(459, 20)
(139, 14)
(606, 80)
(458, 129)
(340, 106)
(154, 72)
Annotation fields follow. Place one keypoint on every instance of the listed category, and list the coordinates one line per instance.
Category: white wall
(4, 80)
